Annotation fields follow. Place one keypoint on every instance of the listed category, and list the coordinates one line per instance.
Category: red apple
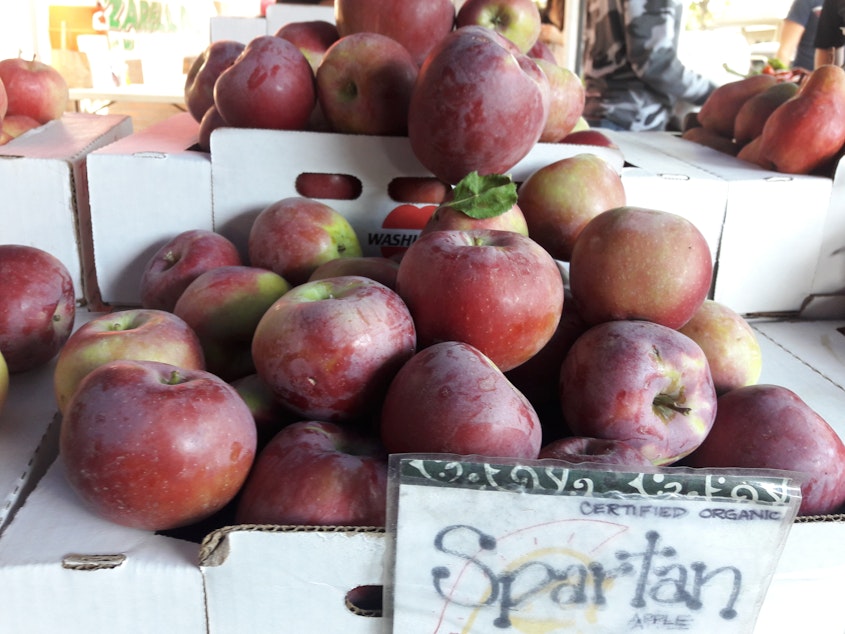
(179, 261)
(559, 199)
(578, 449)
(270, 416)
(270, 85)
(153, 446)
(223, 306)
(770, 427)
(497, 290)
(328, 186)
(567, 97)
(418, 189)
(293, 236)
(636, 263)
(364, 85)
(210, 121)
(730, 344)
(34, 88)
(451, 398)
(4, 100)
(312, 37)
(136, 333)
(640, 382)
(4, 381)
(541, 50)
(518, 20)
(589, 136)
(378, 268)
(316, 473)
(37, 306)
(416, 24)
(328, 349)
(478, 105)
(15, 125)
(203, 74)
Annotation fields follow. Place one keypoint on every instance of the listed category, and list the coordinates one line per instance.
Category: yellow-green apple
(209, 122)
(269, 414)
(605, 451)
(34, 88)
(499, 291)
(179, 261)
(566, 105)
(134, 333)
(312, 37)
(154, 446)
(316, 473)
(640, 382)
(637, 263)
(436, 404)
(270, 85)
(203, 74)
(416, 24)
(730, 344)
(4, 136)
(478, 105)
(560, 198)
(328, 349)
(364, 85)
(375, 267)
(294, 235)
(518, 20)
(223, 307)
(37, 306)
(4, 381)
(15, 125)
(769, 426)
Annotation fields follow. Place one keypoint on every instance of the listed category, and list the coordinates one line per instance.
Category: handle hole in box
(365, 600)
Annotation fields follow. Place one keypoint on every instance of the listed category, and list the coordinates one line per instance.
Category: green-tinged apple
(579, 449)
(270, 85)
(269, 414)
(416, 24)
(328, 349)
(34, 89)
(223, 306)
(375, 267)
(37, 306)
(636, 263)
(499, 291)
(364, 85)
(153, 446)
(14, 125)
(134, 333)
(451, 398)
(179, 261)
(316, 473)
(640, 382)
(518, 20)
(203, 74)
(559, 199)
(312, 37)
(567, 97)
(294, 235)
(478, 105)
(768, 426)
(730, 344)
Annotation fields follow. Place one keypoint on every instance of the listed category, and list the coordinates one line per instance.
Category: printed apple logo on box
(401, 228)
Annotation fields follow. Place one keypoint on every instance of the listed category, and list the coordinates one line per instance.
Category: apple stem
(174, 378)
(666, 406)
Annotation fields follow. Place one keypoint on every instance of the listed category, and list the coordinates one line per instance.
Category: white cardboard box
(45, 200)
(245, 28)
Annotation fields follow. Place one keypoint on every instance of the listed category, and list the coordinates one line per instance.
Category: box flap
(69, 138)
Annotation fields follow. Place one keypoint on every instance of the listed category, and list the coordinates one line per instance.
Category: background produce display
(32, 93)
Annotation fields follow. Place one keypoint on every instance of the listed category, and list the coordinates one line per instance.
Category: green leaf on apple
(485, 196)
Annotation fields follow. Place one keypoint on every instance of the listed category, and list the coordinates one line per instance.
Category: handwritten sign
(542, 547)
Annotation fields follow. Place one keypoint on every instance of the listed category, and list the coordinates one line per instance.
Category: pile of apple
(794, 125)
(32, 93)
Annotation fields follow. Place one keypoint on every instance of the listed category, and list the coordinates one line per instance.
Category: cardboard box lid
(68, 139)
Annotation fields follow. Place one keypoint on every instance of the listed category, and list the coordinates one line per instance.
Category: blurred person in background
(829, 33)
(797, 47)
(634, 78)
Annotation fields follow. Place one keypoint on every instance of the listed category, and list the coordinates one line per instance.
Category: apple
(435, 405)
(316, 473)
(730, 344)
(37, 306)
(567, 97)
(328, 349)
(223, 306)
(4, 100)
(179, 261)
(270, 85)
(209, 122)
(34, 88)
(518, 20)
(5, 137)
(416, 24)
(560, 198)
(768, 426)
(328, 186)
(4, 381)
(14, 125)
(637, 263)
(153, 446)
(578, 449)
(134, 333)
(294, 235)
(312, 37)
(364, 85)
(270, 416)
(542, 50)
(499, 291)
(375, 267)
(418, 189)
(478, 105)
(203, 74)
(589, 136)
(640, 382)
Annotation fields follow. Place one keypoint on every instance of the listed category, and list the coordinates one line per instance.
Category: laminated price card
(541, 547)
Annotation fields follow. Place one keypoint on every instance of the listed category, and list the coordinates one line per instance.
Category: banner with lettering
(542, 547)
